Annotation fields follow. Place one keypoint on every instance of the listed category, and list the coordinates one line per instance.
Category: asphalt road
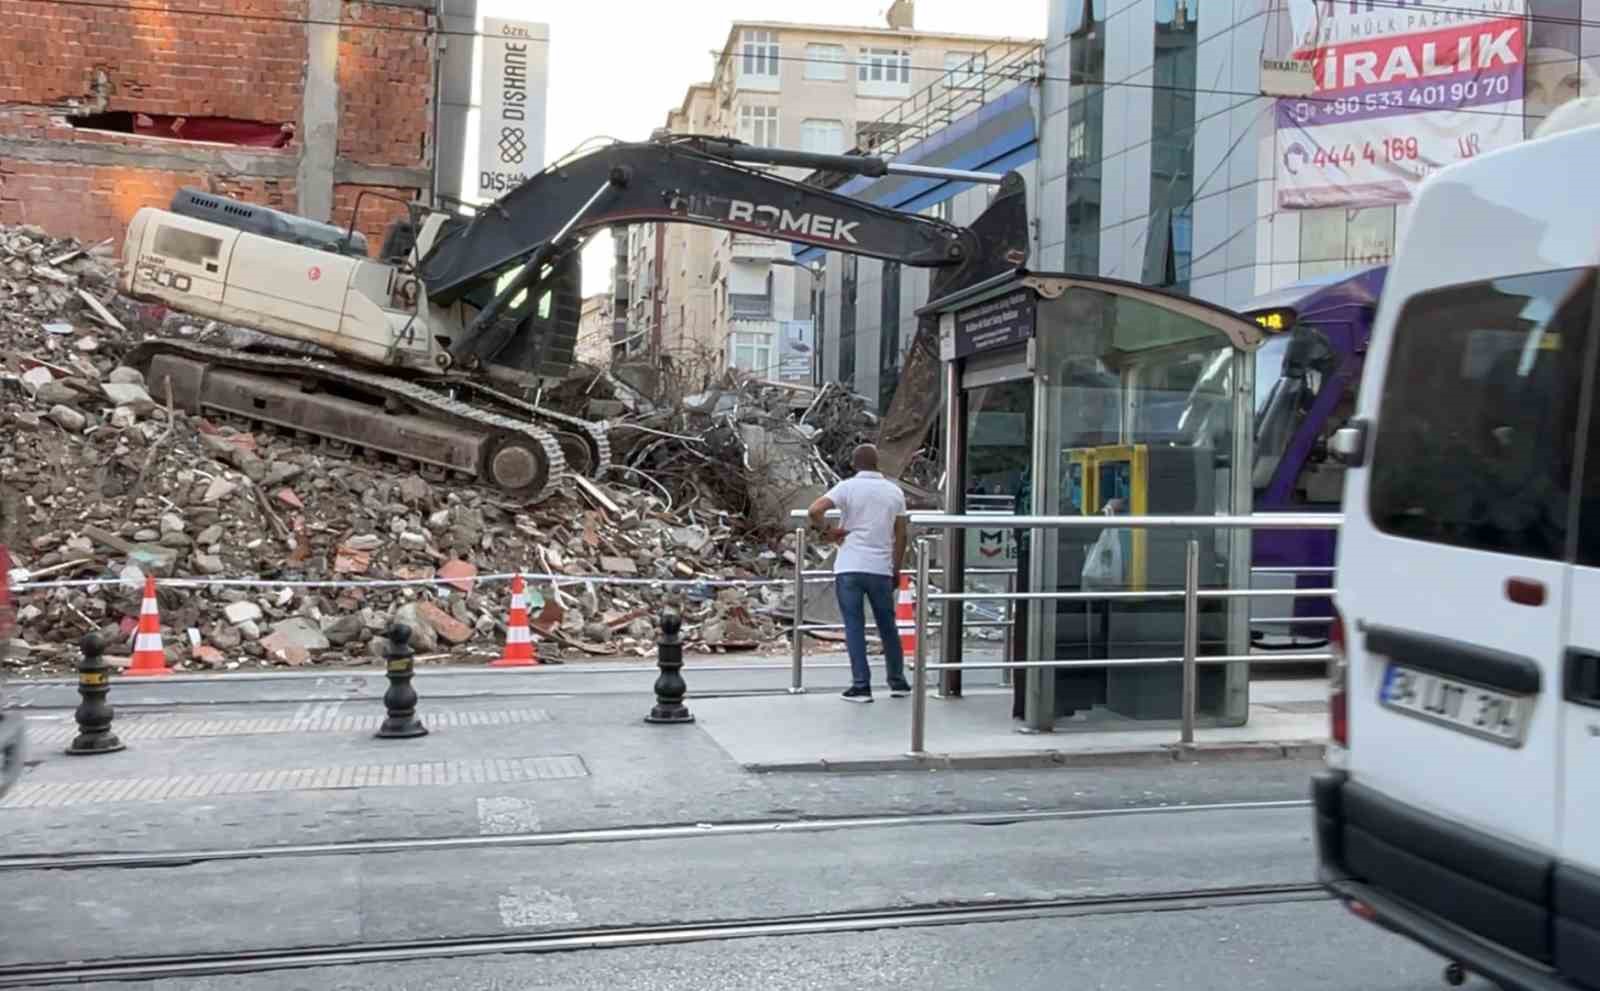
(1307, 947)
(637, 776)
(356, 900)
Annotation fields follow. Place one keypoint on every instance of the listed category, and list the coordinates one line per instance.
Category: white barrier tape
(557, 580)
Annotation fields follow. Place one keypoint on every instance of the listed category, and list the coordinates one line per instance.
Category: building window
(823, 137)
(759, 126)
(1086, 117)
(760, 53)
(938, 211)
(750, 306)
(1337, 239)
(847, 320)
(752, 352)
(1172, 147)
(884, 65)
(826, 63)
(889, 336)
(963, 70)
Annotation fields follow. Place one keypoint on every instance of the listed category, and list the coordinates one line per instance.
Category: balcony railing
(953, 95)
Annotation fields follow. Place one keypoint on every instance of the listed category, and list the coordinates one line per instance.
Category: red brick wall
(57, 59)
(376, 214)
(154, 61)
(385, 85)
(94, 202)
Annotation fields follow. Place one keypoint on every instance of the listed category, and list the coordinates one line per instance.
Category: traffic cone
(520, 651)
(905, 617)
(149, 657)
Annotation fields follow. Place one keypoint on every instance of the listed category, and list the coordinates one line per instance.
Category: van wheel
(1455, 975)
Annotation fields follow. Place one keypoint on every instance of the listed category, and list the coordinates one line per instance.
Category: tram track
(150, 968)
(619, 834)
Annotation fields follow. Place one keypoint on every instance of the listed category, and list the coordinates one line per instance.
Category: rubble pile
(100, 479)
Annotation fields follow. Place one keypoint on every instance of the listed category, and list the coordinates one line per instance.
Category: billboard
(1397, 90)
(796, 351)
(511, 98)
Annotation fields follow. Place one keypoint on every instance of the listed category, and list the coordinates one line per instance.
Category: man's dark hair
(864, 458)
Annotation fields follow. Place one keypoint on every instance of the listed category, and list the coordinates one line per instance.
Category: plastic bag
(1103, 566)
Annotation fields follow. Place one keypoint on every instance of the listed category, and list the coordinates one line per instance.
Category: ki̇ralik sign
(511, 99)
(1396, 91)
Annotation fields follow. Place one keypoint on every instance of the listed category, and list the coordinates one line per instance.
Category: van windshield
(1476, 426)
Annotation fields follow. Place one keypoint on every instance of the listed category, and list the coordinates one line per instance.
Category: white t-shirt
(868, 504)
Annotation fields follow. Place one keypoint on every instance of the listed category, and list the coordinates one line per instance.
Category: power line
(1016, 76)
(279, 18)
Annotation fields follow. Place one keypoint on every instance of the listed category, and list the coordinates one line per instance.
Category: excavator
(429, 353)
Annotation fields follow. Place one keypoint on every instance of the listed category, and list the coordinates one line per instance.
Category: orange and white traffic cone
(149, 657)
(905, 617)
(520, 650)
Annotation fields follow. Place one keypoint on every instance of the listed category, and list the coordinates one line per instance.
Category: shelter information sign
(995, 323)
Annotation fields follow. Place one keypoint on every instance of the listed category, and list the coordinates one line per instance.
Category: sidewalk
(819, 732)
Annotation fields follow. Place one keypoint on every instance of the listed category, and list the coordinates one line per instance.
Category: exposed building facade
(298, 104)
(745, 300)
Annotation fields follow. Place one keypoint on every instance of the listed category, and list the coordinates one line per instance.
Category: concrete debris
(100, 478)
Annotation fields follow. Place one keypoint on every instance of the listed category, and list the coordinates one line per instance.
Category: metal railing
(803, 577)
(1191, 594)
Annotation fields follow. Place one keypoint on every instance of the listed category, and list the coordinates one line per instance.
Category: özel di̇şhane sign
(511, 97)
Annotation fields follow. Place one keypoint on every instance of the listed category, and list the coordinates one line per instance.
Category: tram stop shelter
(1080, 395)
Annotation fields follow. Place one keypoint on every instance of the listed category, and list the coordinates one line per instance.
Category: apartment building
(745, 300)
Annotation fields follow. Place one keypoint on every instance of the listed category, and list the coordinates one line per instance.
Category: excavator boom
(708, 182)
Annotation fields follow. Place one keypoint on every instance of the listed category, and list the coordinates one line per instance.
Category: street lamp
(815, 270)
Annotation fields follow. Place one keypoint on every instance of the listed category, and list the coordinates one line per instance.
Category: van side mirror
(1349, 444)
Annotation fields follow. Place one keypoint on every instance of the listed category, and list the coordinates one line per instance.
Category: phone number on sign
(1436, 96)
(1371, 152)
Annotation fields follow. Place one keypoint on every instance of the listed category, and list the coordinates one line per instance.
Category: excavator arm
(531, 234)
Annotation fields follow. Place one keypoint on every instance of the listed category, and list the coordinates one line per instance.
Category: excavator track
(597, 436)
(442, 434)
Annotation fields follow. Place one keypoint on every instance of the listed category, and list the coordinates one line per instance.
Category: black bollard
(670, 687)
(94, 714)
(401, 698)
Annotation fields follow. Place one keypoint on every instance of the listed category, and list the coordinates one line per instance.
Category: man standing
(872, 535)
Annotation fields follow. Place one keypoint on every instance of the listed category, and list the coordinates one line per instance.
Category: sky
(618, 66)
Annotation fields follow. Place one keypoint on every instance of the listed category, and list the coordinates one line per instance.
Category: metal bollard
(797, 648)
(94, 715)
(670, 686)
(1191, 638)
(401, 699)
(919, 683)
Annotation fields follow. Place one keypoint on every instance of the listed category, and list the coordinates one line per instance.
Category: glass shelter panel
(1140, 407)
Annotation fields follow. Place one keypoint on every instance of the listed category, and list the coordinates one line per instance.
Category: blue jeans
(878, 590)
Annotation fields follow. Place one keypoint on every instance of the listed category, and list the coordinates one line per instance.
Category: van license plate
(1479, 711)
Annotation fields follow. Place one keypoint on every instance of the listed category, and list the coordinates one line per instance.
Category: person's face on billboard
(1553, 77)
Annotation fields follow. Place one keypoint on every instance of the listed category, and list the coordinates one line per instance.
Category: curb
(1167, 754)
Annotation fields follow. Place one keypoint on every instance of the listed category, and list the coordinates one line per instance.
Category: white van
(1463, 807)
